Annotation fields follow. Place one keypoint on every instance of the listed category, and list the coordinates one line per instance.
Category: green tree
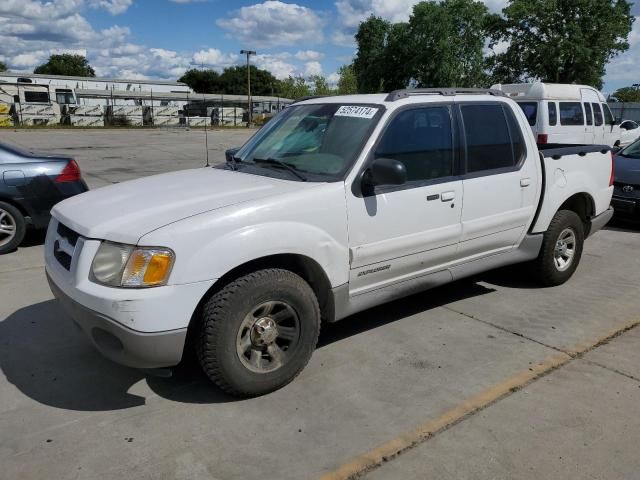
(3, 67)
(447, 40)
(627, 94)
(348, 83)
(320, 85)
(233, 80)
(202, 81)
(294, 87)
(559, 41)
(66, 64)
(369, 64)
(441, 45)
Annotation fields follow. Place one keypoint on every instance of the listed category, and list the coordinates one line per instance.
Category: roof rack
(407, 92)
(309, 97)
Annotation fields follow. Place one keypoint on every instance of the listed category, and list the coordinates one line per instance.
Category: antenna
(206, 136)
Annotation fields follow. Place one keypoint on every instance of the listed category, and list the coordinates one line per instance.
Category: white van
(566, 114)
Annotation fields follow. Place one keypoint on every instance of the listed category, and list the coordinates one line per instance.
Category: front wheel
(561, 249)
(258, 332)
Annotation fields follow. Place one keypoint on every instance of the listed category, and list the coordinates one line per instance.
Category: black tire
(10, 217)
(546, 267)
(224, 331)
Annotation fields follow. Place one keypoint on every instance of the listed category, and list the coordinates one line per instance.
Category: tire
(561, 249)
(258, 332)
(12, 228)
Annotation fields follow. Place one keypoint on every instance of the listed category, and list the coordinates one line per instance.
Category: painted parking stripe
(361, 464)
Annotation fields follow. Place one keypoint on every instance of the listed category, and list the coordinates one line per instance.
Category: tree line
(459, 43)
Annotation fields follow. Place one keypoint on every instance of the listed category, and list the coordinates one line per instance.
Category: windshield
(321, 141)
(632, 151)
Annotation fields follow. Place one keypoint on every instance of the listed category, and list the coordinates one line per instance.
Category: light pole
(248, 53)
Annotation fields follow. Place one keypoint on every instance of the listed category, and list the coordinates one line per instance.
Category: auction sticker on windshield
(356, 111)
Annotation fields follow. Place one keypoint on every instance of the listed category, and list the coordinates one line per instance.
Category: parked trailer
(166, 121)
(86, 121)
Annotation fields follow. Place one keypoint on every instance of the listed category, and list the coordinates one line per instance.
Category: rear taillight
(70, 173)
(613, 164)
(543, 138)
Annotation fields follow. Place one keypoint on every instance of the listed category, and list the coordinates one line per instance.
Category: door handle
(447, 196)
(525, 182)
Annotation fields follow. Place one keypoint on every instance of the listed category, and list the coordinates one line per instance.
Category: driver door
(400, 232)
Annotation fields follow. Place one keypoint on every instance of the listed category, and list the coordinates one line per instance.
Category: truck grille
(64, 245)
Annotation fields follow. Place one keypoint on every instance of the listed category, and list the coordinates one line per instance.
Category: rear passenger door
(499, 184)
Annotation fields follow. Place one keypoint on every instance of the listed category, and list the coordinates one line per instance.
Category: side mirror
(615, 150)
(230, 153)
(616, 121)
(386, 171)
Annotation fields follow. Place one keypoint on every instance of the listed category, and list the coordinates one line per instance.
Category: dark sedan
(626, 193)
(30, 185)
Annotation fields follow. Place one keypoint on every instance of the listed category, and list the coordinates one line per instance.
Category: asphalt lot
(490, 377)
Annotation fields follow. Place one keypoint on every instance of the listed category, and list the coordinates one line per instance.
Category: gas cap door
(14, 178)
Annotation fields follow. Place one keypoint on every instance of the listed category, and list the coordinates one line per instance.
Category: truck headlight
(119, 265)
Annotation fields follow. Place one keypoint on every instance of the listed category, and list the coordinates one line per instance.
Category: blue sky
(163, 38)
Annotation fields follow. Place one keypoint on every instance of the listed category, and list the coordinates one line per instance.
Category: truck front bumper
(119, 343)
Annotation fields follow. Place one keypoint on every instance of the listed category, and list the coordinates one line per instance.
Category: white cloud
(333, 79)
(274, 23)
(625, 68)
(277, 64)
(114, 7)
(214, 58)
(312, 68)
(308, 55)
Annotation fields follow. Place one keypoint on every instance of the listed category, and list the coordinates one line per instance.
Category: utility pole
(248, 53)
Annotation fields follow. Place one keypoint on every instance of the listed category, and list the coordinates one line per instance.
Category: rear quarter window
(530, 110)
(571, 113)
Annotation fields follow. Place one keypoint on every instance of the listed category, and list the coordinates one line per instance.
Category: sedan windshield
(632, 151)
(317, 141)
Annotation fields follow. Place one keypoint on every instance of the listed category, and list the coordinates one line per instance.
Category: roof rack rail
(407, 92)
(308, 97)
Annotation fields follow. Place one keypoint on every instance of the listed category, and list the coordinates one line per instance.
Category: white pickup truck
(336, 205)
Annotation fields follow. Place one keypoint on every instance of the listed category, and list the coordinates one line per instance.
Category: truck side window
(517, 141)
(571, 113)
(488, 140)
(422, 140)
(608, 117)
(587, 110)
(553, 113)
(597, 114)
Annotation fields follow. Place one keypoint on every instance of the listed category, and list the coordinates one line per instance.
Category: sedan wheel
(8, 227)
(12, 227)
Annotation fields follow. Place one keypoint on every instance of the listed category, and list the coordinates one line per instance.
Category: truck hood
(627, 170)
(126, 211)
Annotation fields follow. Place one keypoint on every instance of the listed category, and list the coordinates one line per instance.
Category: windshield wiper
(279, 163)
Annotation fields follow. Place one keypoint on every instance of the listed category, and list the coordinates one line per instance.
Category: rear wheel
(561, 249)
(12, 227)
(258, 332)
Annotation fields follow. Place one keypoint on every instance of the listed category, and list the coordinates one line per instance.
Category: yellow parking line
(397, 445)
